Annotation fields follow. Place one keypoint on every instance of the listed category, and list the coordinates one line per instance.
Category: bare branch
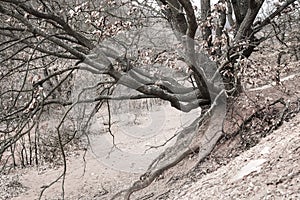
(191, 18)
(268, 20)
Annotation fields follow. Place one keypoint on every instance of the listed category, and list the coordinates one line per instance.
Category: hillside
(270, 170)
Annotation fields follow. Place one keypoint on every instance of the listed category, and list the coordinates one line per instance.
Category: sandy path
(109, 174)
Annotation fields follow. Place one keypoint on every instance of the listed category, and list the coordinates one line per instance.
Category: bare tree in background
(44, 44)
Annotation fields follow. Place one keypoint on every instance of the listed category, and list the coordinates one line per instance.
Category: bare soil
(268, 168)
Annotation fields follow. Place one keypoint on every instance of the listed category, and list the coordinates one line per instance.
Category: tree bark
(229, 13)
(206, 29)
(245, 29)
(240, 9)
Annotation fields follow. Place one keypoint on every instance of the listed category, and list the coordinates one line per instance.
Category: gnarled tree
(45, 43)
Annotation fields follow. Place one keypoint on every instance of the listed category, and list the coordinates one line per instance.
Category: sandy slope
(104, 175)
(270, 170)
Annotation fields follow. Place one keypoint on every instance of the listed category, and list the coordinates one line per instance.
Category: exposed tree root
(259, 112)
(264, 121)
(202, 135)
(165, 161)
